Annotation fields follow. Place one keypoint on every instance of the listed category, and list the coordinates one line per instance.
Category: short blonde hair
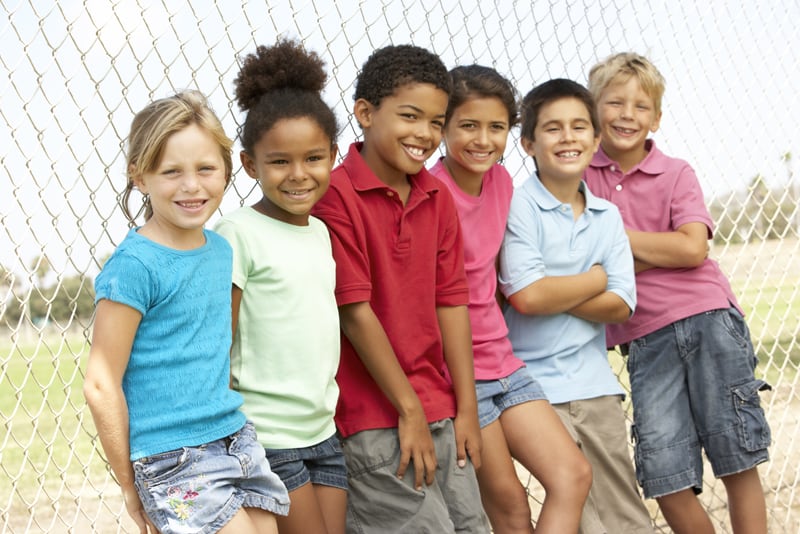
(153, 126)
(620, 67)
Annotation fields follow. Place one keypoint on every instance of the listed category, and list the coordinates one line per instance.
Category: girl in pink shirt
(516, 419)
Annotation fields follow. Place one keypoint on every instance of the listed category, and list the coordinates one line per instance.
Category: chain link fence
(74, 72)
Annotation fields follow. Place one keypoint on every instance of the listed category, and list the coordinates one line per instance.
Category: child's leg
(730, 421)
(503, 496)
(251, 521)
(538, 440)
(684, 513)
(315, 509)
(316, 478)
(333, 503)
(746, 503)
(600, 430)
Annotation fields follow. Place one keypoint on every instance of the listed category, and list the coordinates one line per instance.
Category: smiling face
(563, 141)
(185, 188)
(627, 116)
(292, 162)
(475, 137)
(403, 132)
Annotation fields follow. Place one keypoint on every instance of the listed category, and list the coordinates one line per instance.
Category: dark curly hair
(278, 82)
(477, 81)
(394, 66)
(549, 91)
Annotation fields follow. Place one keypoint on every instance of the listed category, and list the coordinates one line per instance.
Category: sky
(75, 72)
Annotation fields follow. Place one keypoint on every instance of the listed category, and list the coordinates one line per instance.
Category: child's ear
(248, 164)
(656, 123)
(136, 179)
(527, 146)
(362, 110)
(334, 151)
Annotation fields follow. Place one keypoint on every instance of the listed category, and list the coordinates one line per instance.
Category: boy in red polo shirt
(407, 403)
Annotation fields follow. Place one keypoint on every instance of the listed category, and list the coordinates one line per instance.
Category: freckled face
(627, 116)
(185, 188)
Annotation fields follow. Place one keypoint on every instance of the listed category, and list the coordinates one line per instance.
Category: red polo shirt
(405, 260)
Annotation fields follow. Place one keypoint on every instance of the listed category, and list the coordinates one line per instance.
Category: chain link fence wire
(74, 73)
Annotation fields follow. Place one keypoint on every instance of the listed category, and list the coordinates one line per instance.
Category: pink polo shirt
(405, 260)
(483, 224)
(660, 194)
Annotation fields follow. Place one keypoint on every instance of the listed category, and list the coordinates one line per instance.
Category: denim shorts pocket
(163, 466)
(735, 325)
(753, 428)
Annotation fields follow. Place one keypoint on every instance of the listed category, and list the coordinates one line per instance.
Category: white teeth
(190, 204)
(415, 151)
(573, 154)
(296, 193)
(480, 154)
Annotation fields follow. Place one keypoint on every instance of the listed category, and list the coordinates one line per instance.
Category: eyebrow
(418, 109)
(312, 151)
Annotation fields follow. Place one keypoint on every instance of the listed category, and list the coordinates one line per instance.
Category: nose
(297, 171)
(191, 182)
(627, 111)
(483, 137)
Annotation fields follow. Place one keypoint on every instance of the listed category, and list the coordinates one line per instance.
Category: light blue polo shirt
(566, 354)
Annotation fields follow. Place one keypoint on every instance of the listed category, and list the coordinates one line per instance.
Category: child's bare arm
(115, 326)
(362, 327)
(685, 247)
(607, 307)
(558, 294)
(457, 341)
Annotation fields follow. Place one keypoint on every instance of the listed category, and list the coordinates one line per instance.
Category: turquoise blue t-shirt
(566, 354)
(177, 381)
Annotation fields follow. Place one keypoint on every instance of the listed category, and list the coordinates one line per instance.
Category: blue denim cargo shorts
(693, 387)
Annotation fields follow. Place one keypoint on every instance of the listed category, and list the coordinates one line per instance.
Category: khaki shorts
(614, 504)
(379, 502)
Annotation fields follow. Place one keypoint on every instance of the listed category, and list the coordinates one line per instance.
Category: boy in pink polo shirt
(691, 361)
(407, 408)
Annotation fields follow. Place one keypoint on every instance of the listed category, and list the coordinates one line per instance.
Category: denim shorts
(322, 464)
(199, 489)
(497, 396)
(693, 387)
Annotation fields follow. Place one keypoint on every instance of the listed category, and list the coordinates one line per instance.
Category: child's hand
(416, 445)
(468, 439)
(136, 511)
(599, 271)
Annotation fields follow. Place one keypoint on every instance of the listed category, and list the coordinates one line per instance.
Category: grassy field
(48, 459)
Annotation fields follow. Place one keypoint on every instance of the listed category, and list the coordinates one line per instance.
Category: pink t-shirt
(483, 223)
(660, 194)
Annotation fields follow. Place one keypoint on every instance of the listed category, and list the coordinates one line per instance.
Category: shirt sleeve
(618, 261)
(521, 260)
(451, 279)
(126, 280)
(348, 243)
(241, 259)
(688, 204)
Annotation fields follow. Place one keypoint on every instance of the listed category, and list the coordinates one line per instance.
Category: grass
(46, 437)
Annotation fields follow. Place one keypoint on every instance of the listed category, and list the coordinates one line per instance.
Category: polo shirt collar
(547, 201)
(654, 163)
(364, 179)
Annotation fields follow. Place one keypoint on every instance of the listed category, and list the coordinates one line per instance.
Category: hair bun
(285, 65)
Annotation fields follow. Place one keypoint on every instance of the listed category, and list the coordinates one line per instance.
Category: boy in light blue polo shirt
(566, 270)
